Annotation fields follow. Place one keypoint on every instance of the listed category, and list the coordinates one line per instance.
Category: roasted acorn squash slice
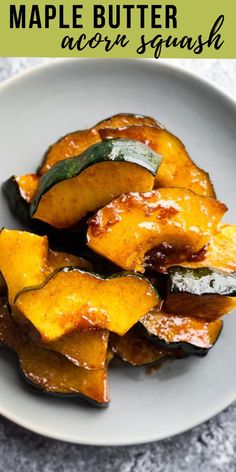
(23, 260)
(28, 186)
(19, 192)
(26, 260)
(134, 349)
(75, 299)
(18, 200)
(193, 336)
(74, 187)
(87, 348)
(203, 292)
(131, 225)
(77, 142)
(50, 371)
(202, 281)
(69, 146)
(219, 253)
(176, 169)
(17, 204)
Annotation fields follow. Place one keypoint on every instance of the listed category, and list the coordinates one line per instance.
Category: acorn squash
(133, 224)
(219, 253)
(77, 142)
(19, 203)
(19, 191)
(203, 292)
(50, 371)
(87, 348)
(74, 187)
(136, 350)
(176, 169)
(69, 146)
(25, 260)
(191, 335)
(73, 299)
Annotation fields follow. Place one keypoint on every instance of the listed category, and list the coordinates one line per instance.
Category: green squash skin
(187, 348)
(45, 156)
(44, 159)
(201, 281)
(18, 206)
(112, 150)
(85, 271)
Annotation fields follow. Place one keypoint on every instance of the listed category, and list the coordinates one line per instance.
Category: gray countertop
(211, 447)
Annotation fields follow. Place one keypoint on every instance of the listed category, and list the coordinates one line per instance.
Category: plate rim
(230, 397)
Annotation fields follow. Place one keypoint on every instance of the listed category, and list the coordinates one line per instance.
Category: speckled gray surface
(210, 447)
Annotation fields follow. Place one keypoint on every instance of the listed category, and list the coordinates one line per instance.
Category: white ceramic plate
(35, 110)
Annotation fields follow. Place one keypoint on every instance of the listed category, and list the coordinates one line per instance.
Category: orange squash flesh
(69, 200)
(70, 145)
(25, 260)
(86, 348)
(77, 142)
(178, 331)
(208, 307)
(176, 169)
(136, 350)
(49, 370)
(73, 299)
(131, 225)
(220, 252)
(28, 185)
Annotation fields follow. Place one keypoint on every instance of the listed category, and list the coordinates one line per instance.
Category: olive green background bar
(194, 18)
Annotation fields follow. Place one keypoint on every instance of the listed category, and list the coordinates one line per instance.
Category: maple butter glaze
(77, 142)
(176, 169)
(133, 224)
(26, 260)
(208, 307)
(28, 186)
(74, 187)
(219, 253)
(86, 301)
(175, 331)
(137, 350)
(49, 370)
(69, 146)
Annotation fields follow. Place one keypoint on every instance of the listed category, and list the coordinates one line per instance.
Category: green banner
(128, 28)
